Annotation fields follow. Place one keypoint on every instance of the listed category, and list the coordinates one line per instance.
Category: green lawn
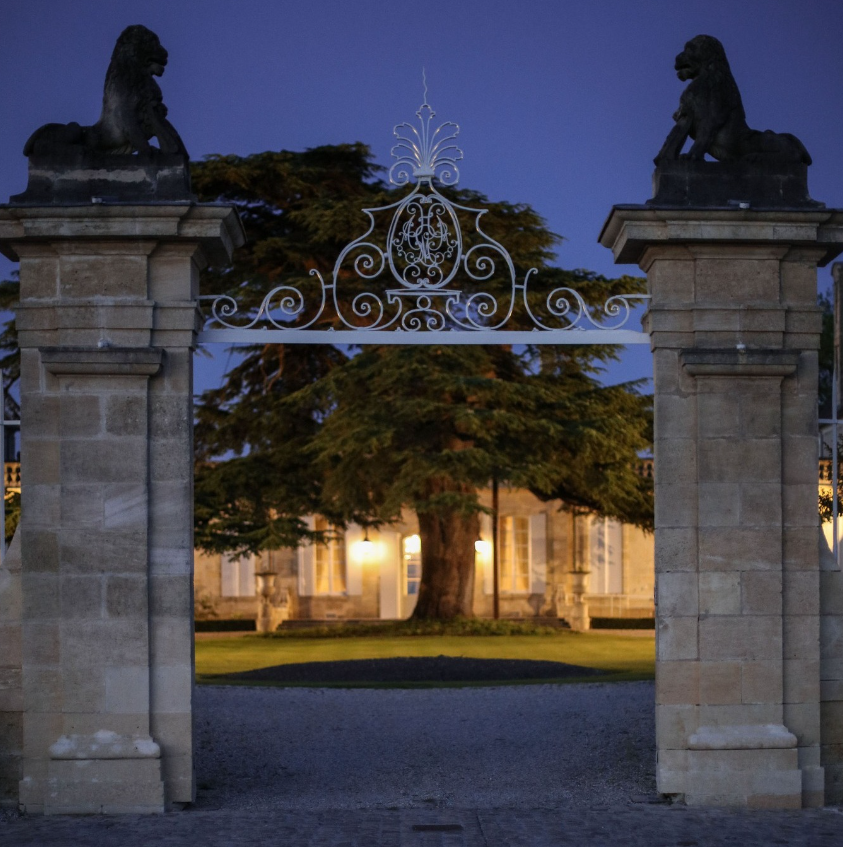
(626, 657)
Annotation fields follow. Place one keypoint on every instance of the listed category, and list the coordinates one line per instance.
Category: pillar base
(753, 766)
(104, 774)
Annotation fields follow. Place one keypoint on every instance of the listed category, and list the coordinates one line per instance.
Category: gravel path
(536, 746)
(531, 766)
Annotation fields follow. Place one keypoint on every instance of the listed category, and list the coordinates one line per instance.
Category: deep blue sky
(561, 105)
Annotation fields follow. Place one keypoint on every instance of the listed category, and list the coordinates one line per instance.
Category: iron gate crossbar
(445, 337)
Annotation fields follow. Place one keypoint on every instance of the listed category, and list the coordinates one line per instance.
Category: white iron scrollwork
(422, 255)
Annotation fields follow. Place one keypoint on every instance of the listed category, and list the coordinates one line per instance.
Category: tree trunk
(447, 549)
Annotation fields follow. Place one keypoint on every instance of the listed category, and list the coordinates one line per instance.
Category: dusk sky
(561, 104)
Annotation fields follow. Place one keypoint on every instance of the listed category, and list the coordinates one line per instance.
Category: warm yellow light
(412, 545)
(366, 551)
(484, 548)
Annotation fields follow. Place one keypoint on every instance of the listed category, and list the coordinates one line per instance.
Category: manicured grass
(625, 657)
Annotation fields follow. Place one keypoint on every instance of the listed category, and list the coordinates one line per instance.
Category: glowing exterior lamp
(367, 546)
(412, 545)
(482, 547)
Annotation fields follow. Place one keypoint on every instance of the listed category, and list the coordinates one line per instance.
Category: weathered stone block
(801, 680)
(106, 460)
(104, 786)
(675, 724)
(82, 689)
(677, 594)
(97, 276)
(718, 414)
(39, 550)
(126, 414)
(42, 690)
(173, 687)
(737, 461)
(41, 644)
(676, 549)
(739, 548)
(81, 505)
(761, 505)
(88, 553)
(799, 505)
(103, 642)
(761, 593)
(736, 281)
(168, 461)
(170, 596)
(125, 506)
(676, 458)
(80, 416)
(744, 715)
(42, 416)
(720, 683)
(719, 504)
(676, 505)
(81, 597)
(127, 690)
(720, 593)
(801, 592)
(42, 465)
(740, 638)
(802, 637)
(800, 548)
(761, 416)
(40, 596)
(677, 639)
(127, 597)
(761, 682)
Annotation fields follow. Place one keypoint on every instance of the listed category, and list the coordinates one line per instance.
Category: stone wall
(735, 330)
(106, 325)
(11, 689)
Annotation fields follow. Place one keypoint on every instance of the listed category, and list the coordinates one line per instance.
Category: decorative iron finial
(423, 277)
(422, 153)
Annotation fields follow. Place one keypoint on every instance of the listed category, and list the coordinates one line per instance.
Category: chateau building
(375, 575)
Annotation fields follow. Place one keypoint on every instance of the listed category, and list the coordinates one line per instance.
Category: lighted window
(411, 546)
(514, 555)
(329, 561)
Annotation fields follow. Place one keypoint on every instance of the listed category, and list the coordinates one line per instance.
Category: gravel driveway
(535, 746)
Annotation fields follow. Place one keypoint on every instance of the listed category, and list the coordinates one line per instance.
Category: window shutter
(486, 559)
(246, 565)
(307, 564)
(228, 575)
(538, 553)
(353, 560)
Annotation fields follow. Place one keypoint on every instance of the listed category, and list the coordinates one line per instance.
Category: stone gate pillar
(106, 324)
(734, 329)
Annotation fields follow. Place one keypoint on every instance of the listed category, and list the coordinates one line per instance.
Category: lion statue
(133, 109)
(711, 113)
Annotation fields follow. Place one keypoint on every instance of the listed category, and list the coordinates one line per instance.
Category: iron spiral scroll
(416, 266)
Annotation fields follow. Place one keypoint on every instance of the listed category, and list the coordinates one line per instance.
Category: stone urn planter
(270, 616)
(578, 617)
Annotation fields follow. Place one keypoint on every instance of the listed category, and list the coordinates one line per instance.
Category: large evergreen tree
(358, 435)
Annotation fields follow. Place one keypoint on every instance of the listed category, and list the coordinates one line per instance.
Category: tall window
(237, 576)
(606, 556)
(411, 549)
(514, 554)
(329, 562)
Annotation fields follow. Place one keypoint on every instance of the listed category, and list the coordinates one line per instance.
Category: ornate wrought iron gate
(417, 260)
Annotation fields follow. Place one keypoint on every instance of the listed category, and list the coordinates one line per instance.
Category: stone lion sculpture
(133, 109)
(711, 113)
